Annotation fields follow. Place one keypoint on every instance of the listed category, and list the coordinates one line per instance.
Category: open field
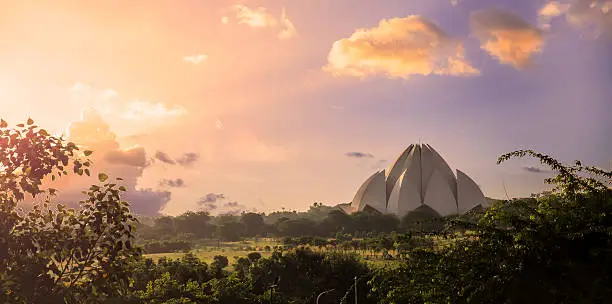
(207, 251)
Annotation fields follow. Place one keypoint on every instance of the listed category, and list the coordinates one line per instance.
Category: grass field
(231, 250)
(206, 251)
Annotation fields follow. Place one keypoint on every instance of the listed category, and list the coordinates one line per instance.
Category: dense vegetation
(555, 247)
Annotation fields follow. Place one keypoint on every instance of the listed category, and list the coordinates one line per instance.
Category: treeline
(553, 248)
(201, 225)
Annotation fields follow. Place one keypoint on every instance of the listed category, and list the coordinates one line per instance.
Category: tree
(553, 248)
(195, 223)
(52, 252)
(253, 223)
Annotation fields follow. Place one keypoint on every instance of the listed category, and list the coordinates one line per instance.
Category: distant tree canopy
(314, 222)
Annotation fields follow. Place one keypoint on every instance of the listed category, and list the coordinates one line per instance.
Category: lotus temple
(419, 176)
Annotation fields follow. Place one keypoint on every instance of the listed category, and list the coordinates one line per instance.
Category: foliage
(554, 248)
(53, 253)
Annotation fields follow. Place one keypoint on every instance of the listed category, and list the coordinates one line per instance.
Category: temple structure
(419, 176)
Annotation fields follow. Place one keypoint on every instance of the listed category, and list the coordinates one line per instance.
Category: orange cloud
(399, 48)
(507, 37)
(93, 133)
(257, 17)
(549, 11)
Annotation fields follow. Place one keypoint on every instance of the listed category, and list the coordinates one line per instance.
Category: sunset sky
(261, 105)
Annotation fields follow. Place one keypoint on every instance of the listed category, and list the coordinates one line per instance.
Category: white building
(419, 176)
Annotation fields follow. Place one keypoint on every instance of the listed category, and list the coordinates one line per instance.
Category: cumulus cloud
(507, 37)
(399, 48)
(225, 20)
(549, 11)
(254, 17)
(196, 59)
(172, 183)
(136, 157)
(259, 17)
(93, 133)
(164, 158)
(359, 155)
(535, 169)
(147, 201)
(141, 110)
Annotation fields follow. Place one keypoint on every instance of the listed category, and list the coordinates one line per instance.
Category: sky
(228, 105)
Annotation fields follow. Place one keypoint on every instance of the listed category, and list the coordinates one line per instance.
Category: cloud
(359, 155)
(211, 198)
(196, 59)
(93, 133)
(259, 17)
(287, 28)
(233, 208)
(141, 110)
(534, 169)
(147, 201)
(225, 20)
(172, 183)
(594, 17)
(549, 11)
(256, 17)
(164, 158)
(399, 48)
(130, 157)
(188, 159)
(231, 204)
(507, 37)
(218, 124)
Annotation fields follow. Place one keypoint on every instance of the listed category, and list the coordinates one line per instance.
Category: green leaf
(21, 125)
(30, 121)
(122, 188)
(102, 177)
(87, 172)
(87, 152)
(3, 123)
